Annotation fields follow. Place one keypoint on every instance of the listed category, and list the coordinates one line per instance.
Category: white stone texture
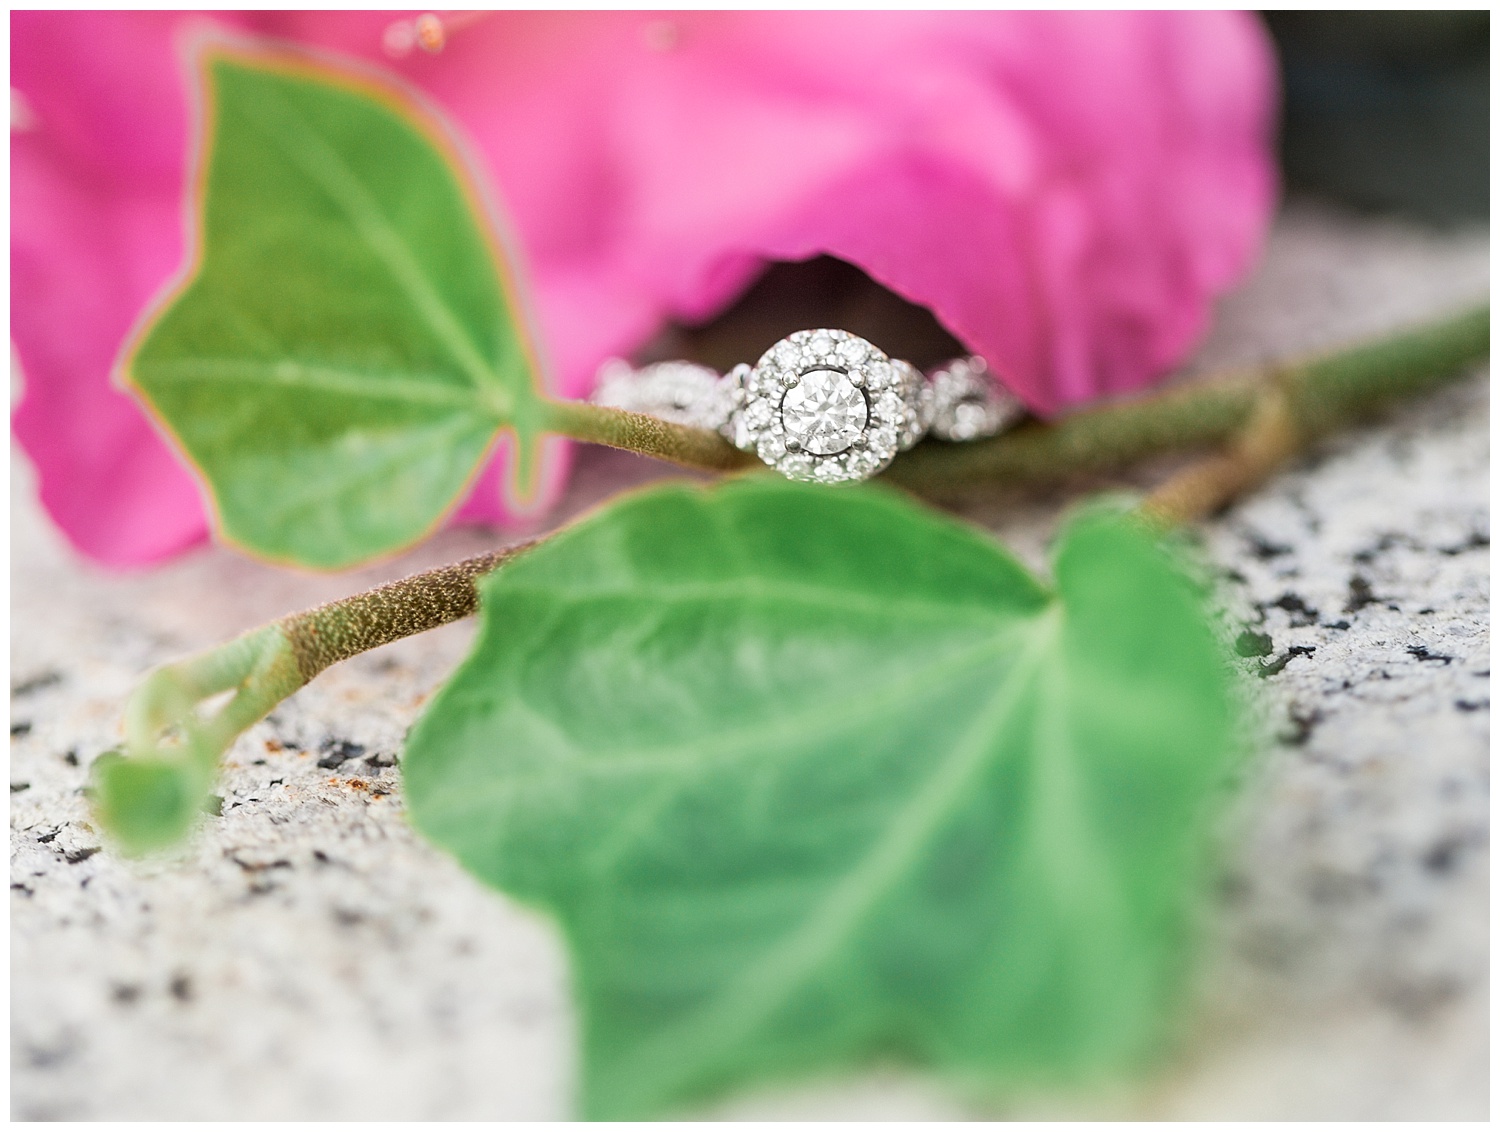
(307, 956)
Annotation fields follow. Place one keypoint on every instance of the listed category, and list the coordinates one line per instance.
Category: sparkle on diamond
(824, 412)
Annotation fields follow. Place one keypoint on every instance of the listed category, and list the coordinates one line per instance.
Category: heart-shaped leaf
(810, 775)
(346, 348)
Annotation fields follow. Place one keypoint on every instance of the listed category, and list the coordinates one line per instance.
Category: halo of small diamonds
(821, 405)
(681, 392)
(825, 405)
(965, 402)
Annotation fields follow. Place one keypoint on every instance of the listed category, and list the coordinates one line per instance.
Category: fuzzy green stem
(340, 629)
(635, 432)
(148, 795)
(1303, 402)
(1323, 393)
(1268, 438)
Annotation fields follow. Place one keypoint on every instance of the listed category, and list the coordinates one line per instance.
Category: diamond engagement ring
(821, 405)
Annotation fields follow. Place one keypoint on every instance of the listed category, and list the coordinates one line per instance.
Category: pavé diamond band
(821, 405)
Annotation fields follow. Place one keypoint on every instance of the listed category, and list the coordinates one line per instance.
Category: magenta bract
(1066, 192)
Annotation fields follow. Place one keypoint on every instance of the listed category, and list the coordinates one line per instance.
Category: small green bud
(145, 803)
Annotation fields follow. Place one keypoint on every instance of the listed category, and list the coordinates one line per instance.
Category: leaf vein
(323, 379)
(323, 164)
(767, 984)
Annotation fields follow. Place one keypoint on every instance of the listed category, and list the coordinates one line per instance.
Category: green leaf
(811, 775)
(345, 351)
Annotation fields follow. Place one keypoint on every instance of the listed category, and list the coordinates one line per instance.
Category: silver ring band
(820, 405)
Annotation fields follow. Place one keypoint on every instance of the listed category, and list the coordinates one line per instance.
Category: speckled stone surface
(308, 957)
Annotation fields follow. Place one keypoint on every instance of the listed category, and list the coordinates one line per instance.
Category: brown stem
(340, 629)
(650, 436)
(1201, 489)
(1322, 393)
(150, 798)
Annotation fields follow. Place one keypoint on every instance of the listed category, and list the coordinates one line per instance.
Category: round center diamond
(824, 412)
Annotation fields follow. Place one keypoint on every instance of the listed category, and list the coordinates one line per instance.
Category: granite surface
(307, 956)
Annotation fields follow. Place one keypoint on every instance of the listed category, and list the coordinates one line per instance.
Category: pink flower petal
(96, 188)
(1066, 192)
